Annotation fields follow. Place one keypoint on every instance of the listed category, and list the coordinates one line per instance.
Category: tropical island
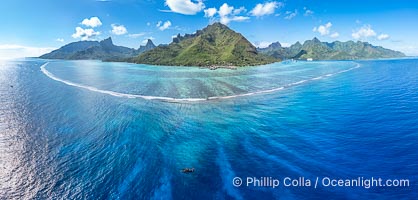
(218, 46)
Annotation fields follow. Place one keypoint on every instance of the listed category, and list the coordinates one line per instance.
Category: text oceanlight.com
(319, 182)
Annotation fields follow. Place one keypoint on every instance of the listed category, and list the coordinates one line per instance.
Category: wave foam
(171, 99)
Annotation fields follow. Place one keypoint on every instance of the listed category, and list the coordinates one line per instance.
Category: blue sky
(30, 28)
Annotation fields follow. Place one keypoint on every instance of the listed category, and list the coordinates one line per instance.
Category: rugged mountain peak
(316, 40)
(297, 44)
(275, 45)
(215, 44)
(107, 42)
(150, 44)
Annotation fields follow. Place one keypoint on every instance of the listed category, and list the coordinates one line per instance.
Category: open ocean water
(93, 130)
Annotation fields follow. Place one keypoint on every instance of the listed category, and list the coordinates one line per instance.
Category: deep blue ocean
(93, 130)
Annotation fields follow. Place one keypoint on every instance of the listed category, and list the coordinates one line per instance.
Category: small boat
(187, 170)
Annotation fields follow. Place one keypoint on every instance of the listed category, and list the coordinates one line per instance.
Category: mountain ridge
(95, 50)
(214, 45)
(336, 50)
(218, 45)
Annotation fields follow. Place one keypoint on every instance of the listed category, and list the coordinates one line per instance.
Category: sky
(35, 27)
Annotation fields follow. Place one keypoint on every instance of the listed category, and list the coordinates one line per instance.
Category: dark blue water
(59, 141)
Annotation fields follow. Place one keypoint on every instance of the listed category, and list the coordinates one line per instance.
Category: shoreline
(215, 67)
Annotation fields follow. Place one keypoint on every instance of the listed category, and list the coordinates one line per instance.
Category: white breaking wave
(171, 99)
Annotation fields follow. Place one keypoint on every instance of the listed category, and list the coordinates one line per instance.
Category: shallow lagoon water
(345, 120)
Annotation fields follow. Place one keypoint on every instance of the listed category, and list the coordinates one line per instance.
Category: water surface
(337, 119)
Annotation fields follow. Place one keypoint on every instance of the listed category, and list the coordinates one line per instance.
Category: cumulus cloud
(225, 10)
(226, 20)
(285, 44)
(210, 12)
(240, 10)
(364, 32)
(11, 51)
(383, 36)
(92, 22)
(266, 8)
(335, 35)
(226, 14)
(185, 7)
(323, 29)
(163, 26)
(84, 34)
(59, 40)
(307, 12)
(119, 29)
(290, 15)
(136, 35)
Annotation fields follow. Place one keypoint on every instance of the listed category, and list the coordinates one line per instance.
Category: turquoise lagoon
(88, 129)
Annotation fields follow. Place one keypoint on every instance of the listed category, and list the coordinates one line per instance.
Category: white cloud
(225, 10)
(119, 29)
(285, 44)
(240, 10)
(308, 12)
(266, 8)
(186, 7)
(226, 20)
(383, 36)
(262, 44)
(11, 51)
(408, 49)
(335, 35)
(226, 14)
(210, 12)
(84, 34)
(136, 35)
(163, 26)
(92, 22)
(59, 40)
(323, 29)
(148, 23)
(290, 15)
(239, 18)
(364, 32)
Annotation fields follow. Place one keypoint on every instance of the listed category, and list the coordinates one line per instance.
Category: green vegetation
(93, 50)
(215, 45)
(318, 50)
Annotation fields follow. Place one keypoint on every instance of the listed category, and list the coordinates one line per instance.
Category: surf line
(171, 99)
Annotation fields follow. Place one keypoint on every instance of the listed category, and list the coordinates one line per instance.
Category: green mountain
(337, 50)
(106, 50)
(66, 51)
(93, 50)
(214, 45)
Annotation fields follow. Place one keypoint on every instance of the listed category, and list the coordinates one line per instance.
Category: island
(218, 46)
